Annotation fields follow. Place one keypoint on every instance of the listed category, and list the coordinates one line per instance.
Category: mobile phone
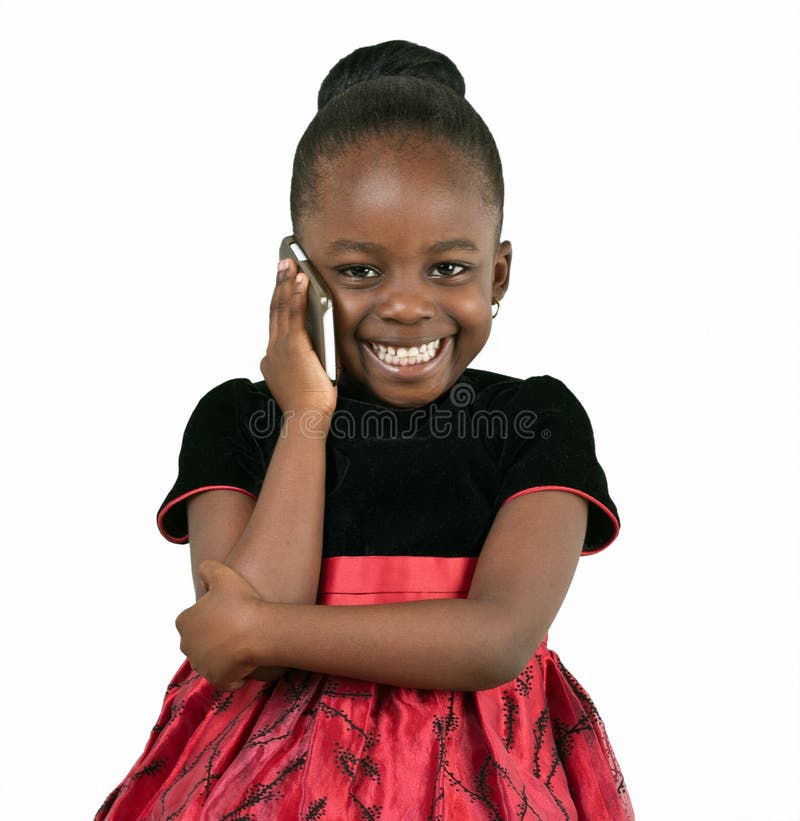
(319, 307)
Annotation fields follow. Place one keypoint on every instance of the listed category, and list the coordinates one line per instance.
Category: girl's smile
(405, 357)
(408, 247)
(410, 360)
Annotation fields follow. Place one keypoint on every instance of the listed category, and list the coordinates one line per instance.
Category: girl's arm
(523, 574)
(276, 550)
(276, 542)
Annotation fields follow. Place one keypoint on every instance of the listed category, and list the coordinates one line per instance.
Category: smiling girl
(377, 574)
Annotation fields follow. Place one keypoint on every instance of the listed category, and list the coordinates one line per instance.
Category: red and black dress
(410, 497)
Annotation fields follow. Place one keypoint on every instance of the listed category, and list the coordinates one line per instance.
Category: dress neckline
(355, 400)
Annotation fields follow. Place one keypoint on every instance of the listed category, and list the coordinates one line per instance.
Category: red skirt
(312, 747)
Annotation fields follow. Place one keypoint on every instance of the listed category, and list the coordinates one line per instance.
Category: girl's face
(408, 248)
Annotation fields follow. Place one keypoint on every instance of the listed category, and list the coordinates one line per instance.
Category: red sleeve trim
(607, 511)
(182, 498)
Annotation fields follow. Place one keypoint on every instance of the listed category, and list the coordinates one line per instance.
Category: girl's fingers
(278, 320)
(273, 308)
(288, 306)
(297, 306)
(284, 296)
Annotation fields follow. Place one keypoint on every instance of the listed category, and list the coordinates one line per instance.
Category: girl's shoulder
(248, 404)
(538, 407)
(237, 390)
(497, 390)
(543, 438)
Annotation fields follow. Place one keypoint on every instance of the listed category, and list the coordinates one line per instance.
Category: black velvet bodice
(417, 482)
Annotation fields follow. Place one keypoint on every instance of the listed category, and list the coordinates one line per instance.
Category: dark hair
(394, 89)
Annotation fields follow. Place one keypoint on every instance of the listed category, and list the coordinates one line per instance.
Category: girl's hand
(291, 368)
(219, 632)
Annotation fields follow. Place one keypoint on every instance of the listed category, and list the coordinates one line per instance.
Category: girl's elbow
(495, 674)
(508, 661)
(512, 666)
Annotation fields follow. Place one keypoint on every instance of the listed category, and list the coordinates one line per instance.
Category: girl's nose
(406, 305)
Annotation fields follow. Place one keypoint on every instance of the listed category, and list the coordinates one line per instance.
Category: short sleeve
(226, 445)
(550, 446)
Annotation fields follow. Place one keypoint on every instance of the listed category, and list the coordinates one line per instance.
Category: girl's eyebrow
(341, 246)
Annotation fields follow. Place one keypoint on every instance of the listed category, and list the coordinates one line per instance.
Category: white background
(651, 152)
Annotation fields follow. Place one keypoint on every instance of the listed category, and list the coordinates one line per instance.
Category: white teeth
(414, 355)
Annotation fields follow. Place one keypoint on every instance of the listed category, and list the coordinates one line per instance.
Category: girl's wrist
(311, 423)
(261, 635)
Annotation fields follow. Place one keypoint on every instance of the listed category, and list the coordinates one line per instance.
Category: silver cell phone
(319, 307)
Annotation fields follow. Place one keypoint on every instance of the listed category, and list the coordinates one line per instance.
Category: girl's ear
(502, 269)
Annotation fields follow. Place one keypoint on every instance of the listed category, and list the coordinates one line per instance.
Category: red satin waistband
(385, 579)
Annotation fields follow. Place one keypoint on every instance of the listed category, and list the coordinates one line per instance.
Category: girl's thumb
(209, 571)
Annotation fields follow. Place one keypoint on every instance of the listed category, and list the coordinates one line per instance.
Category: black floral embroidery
(263, 793)
(316, 810)
(510, 710)
(524, 681)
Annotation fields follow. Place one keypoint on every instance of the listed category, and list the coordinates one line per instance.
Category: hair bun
(390, 59)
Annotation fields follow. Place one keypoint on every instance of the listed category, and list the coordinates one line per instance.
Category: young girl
(377, 563)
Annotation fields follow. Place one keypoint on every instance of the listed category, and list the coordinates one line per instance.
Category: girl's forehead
(409, 158)
(385, 187)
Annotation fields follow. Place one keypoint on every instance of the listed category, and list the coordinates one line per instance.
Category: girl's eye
(443, 270)
(449, 269)
(359, 272)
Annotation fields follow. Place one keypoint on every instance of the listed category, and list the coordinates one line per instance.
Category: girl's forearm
(280, 550)
(448, 644)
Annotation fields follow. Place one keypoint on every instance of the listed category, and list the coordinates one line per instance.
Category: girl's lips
(409, 371)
